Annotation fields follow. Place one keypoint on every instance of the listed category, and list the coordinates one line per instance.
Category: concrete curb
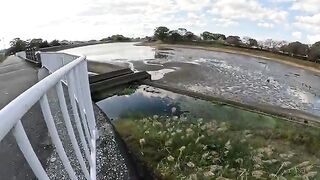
(120, 80)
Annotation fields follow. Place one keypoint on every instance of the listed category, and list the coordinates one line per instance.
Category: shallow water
(156, 124)
(149, 101)
(236, 77)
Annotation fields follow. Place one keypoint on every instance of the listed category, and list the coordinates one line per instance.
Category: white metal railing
(73, 74)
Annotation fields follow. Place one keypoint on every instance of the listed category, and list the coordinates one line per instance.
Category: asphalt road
(16, 76)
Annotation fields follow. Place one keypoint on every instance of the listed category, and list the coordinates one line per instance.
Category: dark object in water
(268, 80)
(165, 49)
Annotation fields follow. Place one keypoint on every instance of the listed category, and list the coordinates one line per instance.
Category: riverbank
(307, 65)
(70, 46)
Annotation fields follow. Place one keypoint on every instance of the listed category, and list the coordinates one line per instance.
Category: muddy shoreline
(235, 51)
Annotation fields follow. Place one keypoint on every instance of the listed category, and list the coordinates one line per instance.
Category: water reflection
(149, 101)
(145, 101)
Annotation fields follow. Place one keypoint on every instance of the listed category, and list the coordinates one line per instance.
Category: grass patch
(2, 56)
(183, 148)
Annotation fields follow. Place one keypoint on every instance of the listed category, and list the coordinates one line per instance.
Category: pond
(180, 137)
(236, 77)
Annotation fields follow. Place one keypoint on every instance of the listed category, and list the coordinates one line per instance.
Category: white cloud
(247, 9)
(281, 1)
(296, 34)
(95, 19)
(309, 23)
(313, 38)
(266, 25)
(310, 6)
(192, 5)
(224, 22)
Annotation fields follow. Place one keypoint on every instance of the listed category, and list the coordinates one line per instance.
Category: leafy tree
(17, 45)
(182, 31)
(207, 36)
(217, 36)
(314, 54)
(189, 36)
(44, 44)
(253, 42)
(35, 42)
(174, 36)
(119, 37)
(55, 43)
(161, 33)
(38, 43)
(233, 40)
(297, 48)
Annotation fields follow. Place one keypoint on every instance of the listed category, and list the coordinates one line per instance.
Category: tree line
(296, 49)
(18, 44)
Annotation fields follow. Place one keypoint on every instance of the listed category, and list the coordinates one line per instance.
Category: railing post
(55, 136)
(27, 150)
(71, 92)
(90, 114)
(69, 127)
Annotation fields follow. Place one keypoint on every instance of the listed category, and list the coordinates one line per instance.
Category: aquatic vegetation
(184, 148)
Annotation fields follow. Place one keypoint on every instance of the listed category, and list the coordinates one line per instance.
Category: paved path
(16, 76)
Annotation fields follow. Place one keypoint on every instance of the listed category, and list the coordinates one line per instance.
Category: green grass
(2, 57)
(183, 148)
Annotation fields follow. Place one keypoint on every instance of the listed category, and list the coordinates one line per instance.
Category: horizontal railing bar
(66, 117)
(14, 111)
(28, 152)
(55, 136)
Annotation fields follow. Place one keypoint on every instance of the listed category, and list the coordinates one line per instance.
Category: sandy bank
(307, 65)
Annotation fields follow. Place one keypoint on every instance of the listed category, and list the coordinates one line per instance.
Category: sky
(291, 20)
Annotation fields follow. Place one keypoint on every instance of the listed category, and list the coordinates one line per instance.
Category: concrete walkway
(16, 76)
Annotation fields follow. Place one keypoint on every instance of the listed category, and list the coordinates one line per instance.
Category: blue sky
(291, 20)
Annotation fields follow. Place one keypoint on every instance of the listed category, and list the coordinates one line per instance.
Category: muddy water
(148, 101)
(236, 77)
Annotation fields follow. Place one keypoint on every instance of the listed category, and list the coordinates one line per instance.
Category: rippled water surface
(236, 77)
